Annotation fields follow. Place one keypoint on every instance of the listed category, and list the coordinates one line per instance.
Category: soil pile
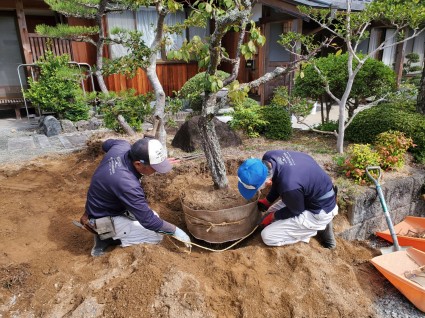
(46, 269)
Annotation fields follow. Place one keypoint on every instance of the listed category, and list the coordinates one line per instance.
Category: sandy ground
(46, 269)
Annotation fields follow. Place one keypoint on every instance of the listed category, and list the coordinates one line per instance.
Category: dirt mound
(47, 271)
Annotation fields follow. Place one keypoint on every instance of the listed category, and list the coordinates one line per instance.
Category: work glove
(267, 219)
(181, 235)
(263, 205)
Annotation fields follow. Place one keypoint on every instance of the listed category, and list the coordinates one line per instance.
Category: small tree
(375, 79)
(353, 28)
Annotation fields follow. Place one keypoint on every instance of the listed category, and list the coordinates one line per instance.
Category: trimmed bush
(279, 125)
(368, 124)
(58, 88)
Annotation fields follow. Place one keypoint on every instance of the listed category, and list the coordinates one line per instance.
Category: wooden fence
(171, 75)
(40, 44)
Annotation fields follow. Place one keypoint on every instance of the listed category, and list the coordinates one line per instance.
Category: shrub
(358, 157)
(385, 117)
(392, 147)
(331, 125)
(134, 108)
(249, 118)
(279, 125)
(58, 88)
(194, 87)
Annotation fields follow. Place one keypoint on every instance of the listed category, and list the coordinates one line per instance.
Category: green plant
(134, 108)
(194, 87)
(249, 118)
(296, 105)
(392, 147)
(375, 79)
(390, 116)
(358, 157)
(58, 88)
(331, 125)
(279, 125)
(411, 73)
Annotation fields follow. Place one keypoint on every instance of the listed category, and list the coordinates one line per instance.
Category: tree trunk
(210, 144)
(125, 125)
(420, 104)
(159, 124)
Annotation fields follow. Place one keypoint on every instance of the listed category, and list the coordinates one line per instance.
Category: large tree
(401, 16)
(227, 16)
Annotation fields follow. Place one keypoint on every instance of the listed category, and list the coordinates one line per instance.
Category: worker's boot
(100, 246)
(326, 237)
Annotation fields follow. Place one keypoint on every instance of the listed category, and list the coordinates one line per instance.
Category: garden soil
(46, 269)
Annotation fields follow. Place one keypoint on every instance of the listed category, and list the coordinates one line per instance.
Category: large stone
(51, 126)
(68, 126)
(95, 123)
(188, 137)
(82, 125)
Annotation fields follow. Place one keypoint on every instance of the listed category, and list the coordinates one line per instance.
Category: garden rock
(95, 123)
(82, 125)
(68, 126)
(50, 126)
(188, 137)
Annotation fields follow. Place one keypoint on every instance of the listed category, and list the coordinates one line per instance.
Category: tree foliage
(375, 79)
(354, 27)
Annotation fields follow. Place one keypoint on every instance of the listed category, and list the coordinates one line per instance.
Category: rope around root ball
(210, 249)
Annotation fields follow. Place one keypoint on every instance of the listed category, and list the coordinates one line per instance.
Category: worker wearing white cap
(116, 207)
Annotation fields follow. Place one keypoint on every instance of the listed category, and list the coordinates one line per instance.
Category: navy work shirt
(300, 182)
(115, 187)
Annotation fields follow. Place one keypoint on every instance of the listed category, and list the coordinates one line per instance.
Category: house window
(145, 20)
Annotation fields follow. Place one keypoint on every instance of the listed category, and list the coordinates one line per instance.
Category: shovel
(396, 246)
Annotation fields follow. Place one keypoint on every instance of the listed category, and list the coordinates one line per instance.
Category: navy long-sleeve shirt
(299, 181)
(115, 188)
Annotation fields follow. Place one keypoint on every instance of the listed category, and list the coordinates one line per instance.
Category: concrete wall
(402, 196)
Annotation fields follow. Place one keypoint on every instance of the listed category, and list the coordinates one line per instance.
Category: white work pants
(132, 232)
(296, 229)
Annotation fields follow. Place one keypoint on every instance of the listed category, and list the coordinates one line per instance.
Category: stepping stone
(65, 142)
(20, 143)
(43, 141)
(78, 140)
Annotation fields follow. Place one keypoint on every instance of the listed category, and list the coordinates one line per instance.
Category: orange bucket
(412, 225)
(394, 266)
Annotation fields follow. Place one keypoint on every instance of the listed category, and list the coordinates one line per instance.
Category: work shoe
(100, 246)
(326, 237)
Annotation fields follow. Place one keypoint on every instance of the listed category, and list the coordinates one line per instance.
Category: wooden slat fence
(40, 44)
(171, 75)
